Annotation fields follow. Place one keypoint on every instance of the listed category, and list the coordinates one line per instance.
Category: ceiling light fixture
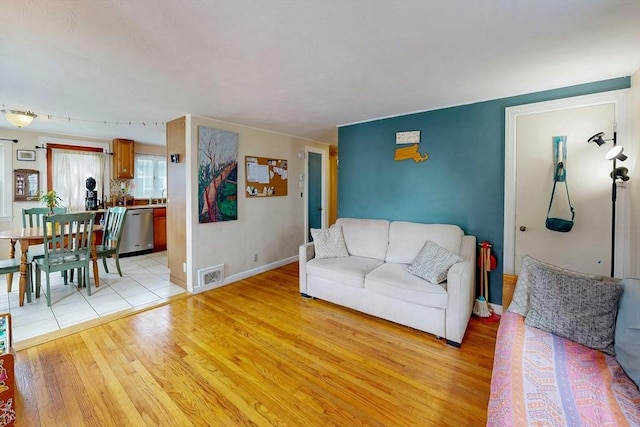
(19, 118)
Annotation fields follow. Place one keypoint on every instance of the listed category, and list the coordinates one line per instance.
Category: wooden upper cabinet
(123, 158)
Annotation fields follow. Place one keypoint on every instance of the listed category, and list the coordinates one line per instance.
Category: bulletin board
(265, 177)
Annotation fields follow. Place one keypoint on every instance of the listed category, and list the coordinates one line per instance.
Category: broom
(480, 306)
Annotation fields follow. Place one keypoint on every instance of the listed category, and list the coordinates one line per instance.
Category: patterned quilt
(540, 379)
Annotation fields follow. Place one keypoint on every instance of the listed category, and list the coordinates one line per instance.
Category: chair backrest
(113, 226)
(33, 217)
(67, 236)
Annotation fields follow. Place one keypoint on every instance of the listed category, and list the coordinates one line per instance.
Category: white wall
(271, 227)
(634, 171)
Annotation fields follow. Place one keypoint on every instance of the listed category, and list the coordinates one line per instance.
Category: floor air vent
(211, 276)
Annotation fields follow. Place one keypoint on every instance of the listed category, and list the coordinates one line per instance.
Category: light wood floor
(255, 353)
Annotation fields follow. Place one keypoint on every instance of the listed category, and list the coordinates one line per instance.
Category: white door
(587, 246)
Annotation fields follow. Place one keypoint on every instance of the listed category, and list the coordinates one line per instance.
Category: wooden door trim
(51, 147)
(325, 184)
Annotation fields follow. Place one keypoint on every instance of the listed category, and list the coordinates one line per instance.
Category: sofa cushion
(520, 302)
(394, 281)
(433, 262)
(349, 271)
(365, 237)
(329, 243)
(627, 340)
(406, 239)
(578, 309)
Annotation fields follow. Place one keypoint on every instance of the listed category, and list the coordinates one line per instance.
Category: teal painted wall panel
(461, 183)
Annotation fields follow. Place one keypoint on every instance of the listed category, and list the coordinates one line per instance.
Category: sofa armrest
(305, 253)
(461, 284)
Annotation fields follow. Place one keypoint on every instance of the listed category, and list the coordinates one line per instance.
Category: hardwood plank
(255, 353)
(508, 287)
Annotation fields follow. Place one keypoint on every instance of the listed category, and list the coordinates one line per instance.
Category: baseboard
(497, 309)
(248, 273)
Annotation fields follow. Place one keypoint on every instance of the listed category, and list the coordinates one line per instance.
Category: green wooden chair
(12, 265)
(111, 237)
(67, 242)
(32, 217)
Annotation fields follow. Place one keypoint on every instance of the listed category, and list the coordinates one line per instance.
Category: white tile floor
(145, 281)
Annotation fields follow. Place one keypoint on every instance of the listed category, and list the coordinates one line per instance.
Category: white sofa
(373, 278)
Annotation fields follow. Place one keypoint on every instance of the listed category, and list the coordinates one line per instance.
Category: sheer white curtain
(6, 185)
(71, 169)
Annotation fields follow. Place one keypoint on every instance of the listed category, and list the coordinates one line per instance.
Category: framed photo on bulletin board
(265, 177)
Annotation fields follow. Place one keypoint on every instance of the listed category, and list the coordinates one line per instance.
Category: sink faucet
(162, 196)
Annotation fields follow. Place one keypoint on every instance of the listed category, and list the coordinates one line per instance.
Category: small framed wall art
(26, 184)
(26, 155)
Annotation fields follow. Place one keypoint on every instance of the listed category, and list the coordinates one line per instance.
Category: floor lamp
(615, 154)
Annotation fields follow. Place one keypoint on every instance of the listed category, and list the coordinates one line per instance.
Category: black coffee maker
(91, 200)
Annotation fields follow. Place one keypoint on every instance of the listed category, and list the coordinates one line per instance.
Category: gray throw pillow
(433, 262)
(520, 302)
(627, 343)
(329, 242)
(578, 309)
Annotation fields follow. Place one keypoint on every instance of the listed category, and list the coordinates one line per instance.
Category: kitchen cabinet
(123, 158)
(159, 229)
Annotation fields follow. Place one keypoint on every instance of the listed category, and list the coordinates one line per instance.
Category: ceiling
(295, 67)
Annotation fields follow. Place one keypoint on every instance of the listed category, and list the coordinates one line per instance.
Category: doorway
(315, 205)
(529, 134)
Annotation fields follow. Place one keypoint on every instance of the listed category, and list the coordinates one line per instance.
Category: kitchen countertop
(155, 205)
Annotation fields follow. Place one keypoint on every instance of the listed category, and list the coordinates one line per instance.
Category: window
(151, 176)
(6, 184)
(68, 167)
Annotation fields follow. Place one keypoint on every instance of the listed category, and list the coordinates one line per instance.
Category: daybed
(542, 376)
(370, 272)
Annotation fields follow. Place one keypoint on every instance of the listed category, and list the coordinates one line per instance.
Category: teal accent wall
(461, 183)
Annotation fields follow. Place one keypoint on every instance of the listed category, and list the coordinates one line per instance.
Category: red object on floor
(491, 319)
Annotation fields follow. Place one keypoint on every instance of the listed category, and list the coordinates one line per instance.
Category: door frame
(619, 99)
(324, 173)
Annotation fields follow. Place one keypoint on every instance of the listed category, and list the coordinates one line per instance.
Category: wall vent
(211, 276)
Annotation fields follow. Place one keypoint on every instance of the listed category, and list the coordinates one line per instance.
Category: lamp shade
(19, 118)
(622, 173)
(597, 138)
(616, 153)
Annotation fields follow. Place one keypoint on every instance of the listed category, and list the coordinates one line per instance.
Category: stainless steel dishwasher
(137, 235)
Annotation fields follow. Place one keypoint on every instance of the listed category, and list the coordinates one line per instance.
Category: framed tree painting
(217, 175)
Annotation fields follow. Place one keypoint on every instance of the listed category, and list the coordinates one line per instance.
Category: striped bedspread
(540, 379)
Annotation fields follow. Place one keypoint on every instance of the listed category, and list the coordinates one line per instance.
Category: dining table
(35, 236)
